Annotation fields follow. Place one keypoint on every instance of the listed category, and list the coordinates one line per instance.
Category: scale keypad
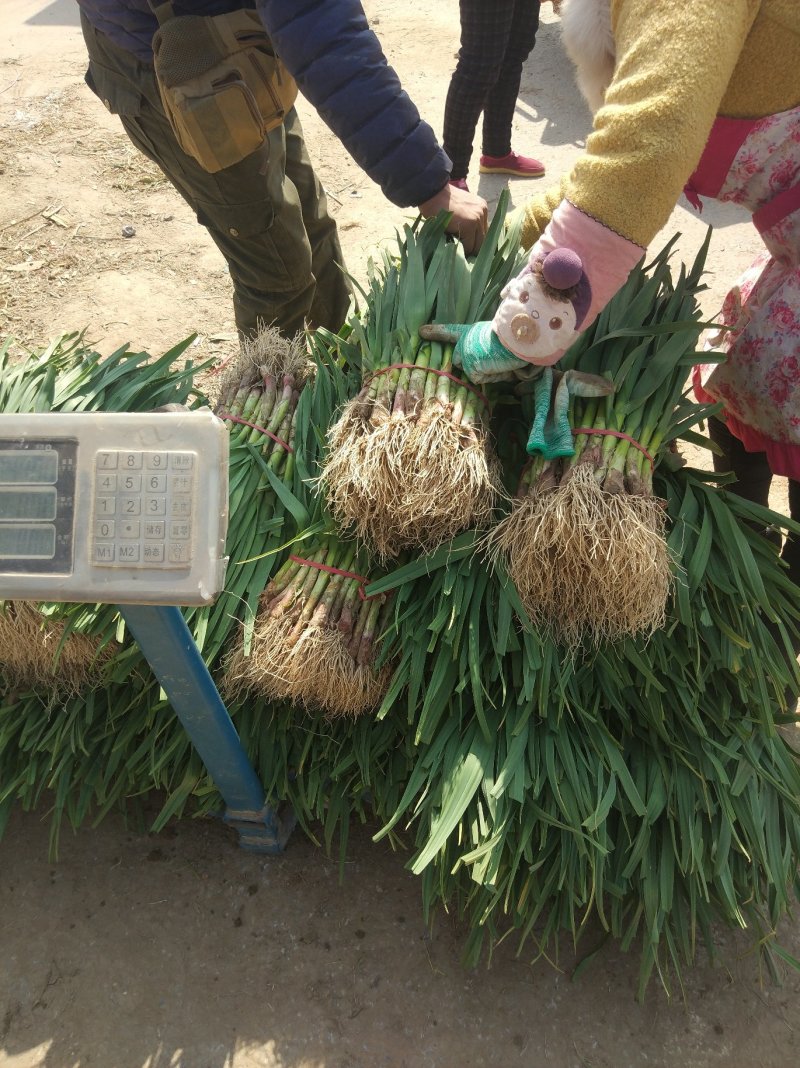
(143, 508)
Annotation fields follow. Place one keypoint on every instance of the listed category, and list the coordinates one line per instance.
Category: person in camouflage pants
(267, 214)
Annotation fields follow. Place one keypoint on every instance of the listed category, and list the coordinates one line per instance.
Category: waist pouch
(221, 84)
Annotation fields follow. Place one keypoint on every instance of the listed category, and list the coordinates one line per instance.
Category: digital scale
(132, 509)
(123, 508)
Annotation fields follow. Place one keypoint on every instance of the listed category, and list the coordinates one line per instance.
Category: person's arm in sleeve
(536, 213)
(340, 68)
(674, 63)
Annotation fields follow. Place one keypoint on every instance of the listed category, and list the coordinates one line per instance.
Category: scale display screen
(113, 507)
(37, 497)
(19, 541)
(29, 467)
(28, 503)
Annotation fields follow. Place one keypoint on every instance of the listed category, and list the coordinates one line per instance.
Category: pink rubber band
(360, 579)
(428, 371)
(591, 431)
(255, 426)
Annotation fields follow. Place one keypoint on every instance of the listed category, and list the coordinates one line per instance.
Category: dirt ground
(181, 951)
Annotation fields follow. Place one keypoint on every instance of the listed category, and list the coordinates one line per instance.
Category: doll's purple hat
(563, 269)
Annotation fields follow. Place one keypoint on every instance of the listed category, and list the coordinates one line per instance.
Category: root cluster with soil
(35, 652)
(315, 638)
(412, 476)
(587, 563)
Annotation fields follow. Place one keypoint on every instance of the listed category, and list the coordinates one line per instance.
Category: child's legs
(753, 480)
(791, 547)
(753, 476)
(485, 30)
(791, 557)
(498, 113)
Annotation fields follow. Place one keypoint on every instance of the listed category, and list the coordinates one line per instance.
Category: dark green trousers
(267, 215)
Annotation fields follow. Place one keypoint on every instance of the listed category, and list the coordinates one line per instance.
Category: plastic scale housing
(120, 508)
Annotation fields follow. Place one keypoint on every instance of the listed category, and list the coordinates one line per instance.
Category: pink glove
(574, 269)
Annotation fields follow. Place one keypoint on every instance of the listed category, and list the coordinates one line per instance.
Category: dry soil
(181, 951)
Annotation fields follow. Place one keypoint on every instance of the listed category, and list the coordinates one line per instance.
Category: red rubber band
(590, 430)
(255, 426)
(429, 371)
(360, 579)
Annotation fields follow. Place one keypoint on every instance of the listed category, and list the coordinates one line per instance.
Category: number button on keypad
(143, 508)
(155, 506)
(105, 506)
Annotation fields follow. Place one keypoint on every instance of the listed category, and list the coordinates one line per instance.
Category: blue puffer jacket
(341, 69)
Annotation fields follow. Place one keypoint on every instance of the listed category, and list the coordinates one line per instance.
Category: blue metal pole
(166, 642)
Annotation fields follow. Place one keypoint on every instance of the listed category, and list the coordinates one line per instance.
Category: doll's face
(533, 325)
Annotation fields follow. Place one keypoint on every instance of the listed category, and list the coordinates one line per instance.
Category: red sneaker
(520, 166)
(460, 183)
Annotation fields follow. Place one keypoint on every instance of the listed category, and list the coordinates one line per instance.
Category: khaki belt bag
(221, 84)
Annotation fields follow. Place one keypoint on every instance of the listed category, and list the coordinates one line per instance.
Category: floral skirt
(759, 382)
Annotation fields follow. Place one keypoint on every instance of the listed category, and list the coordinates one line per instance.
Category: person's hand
(470, 215)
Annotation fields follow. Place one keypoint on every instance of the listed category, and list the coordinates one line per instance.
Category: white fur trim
(589, 43)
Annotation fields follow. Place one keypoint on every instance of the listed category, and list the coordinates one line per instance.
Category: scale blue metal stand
(167, 644)
(103, 468)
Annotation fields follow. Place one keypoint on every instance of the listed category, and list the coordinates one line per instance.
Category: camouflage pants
(267, 215)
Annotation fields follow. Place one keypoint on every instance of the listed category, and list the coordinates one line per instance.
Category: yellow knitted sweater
(679, 64)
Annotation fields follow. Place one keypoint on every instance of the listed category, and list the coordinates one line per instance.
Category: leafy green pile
(641, 786)
(585, 540)
(414, 438)
(115, 737)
